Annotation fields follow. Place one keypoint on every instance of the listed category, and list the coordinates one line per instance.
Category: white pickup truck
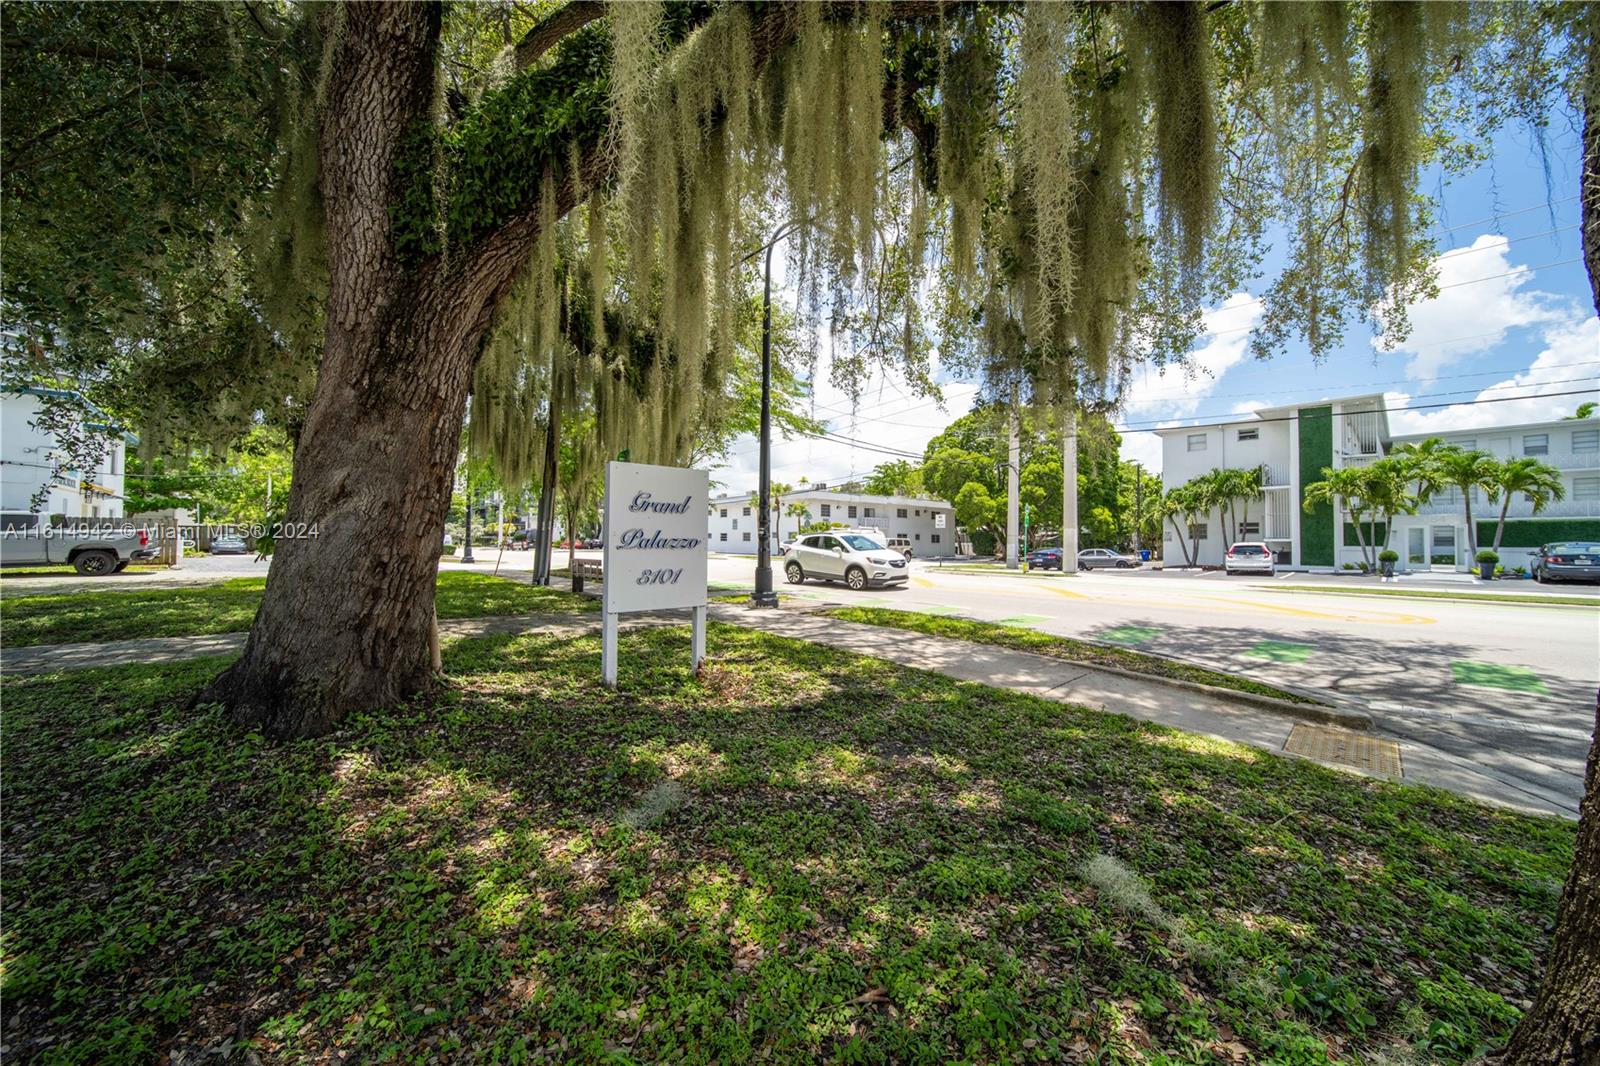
(94, 548)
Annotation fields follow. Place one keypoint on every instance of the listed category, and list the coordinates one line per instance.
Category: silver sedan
(1099, 558)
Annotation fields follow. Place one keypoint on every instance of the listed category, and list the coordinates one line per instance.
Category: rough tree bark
(1563, 1028)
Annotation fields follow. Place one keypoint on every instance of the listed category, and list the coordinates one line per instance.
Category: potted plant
(1486, 561)
(1386, 559)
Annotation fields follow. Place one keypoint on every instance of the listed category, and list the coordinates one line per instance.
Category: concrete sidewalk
(1192, 708)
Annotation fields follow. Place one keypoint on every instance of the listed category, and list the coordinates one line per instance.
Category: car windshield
(1576, 548)
(1248, 549)
(860, 543)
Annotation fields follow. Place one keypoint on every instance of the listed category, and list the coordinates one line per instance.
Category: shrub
(1488, 556)
(1388, 555)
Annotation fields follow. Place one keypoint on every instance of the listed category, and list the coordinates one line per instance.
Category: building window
(1586, 440)
(724, 512)
(827, 510)
(1197, 531)
(1586, 488)
(747, 536)
(933, 537)
(745, 511)
(850, 512)
(1197, 442)
(1536, 444)
(867, 512)
(919, 536)
(735, 523)
(1249, 530)
(1249, 434)
(1470, 444)
(724, 536)
(899, 512)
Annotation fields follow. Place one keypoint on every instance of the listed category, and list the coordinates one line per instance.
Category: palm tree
(1421, 462)
(1540, 482)
(1388, 489)
(1467, 471)
(1181, 501)
(1347, 489)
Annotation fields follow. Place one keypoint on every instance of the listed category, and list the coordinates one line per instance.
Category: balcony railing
(1277, 527)
(1571, 460)
(1484, 510)
(1274, 475)
(1361, 433)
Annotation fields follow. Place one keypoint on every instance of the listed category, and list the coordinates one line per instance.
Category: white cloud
(1570, 350)
(890, 416)
(1471, 315)
(1179, 391)
(1144, 448)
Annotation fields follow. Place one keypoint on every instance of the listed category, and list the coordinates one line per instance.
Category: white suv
(1250, 557)
(854, 558)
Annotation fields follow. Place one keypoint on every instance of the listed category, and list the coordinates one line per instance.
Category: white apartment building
(27, 463)
(930, 525)
(1293, 444)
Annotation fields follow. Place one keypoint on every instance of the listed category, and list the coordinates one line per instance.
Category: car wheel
(794, 573)
(95, 564)
(856, 578)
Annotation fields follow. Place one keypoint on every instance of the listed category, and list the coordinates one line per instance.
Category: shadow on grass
(854, 861)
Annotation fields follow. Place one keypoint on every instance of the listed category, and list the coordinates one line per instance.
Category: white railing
(1277, 527)
(1361, 433)
(1571, 460)
(1274, 475)
(1485, 510)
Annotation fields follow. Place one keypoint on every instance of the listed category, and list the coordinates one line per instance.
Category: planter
(1486, 571)
(1388, 569)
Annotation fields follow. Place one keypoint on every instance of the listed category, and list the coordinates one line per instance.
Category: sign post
(655, 550)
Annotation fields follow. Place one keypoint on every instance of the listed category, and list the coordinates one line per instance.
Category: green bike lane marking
(1279, 651)
(1129, 634)
(1497, 675)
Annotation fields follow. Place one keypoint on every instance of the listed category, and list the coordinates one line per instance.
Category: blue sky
(1513, 319)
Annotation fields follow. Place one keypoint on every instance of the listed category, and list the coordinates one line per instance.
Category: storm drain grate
(1325, 744)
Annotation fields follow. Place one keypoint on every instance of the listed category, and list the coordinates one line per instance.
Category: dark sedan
(1572, 560)
(1045, 559)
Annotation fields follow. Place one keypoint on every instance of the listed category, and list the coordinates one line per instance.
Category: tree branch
(549, 33)
(176, 67)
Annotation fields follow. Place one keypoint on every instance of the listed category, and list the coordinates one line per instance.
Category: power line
(1376, 410)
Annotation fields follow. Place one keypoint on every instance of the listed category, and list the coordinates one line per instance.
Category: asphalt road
(1509, 686)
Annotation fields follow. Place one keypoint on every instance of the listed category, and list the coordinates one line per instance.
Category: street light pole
(763, 595)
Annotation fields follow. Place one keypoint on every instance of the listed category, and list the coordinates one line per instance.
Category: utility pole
(466, 553)
(1027, 513)
(1138, 502)
(1069, 487)
(1013, 481)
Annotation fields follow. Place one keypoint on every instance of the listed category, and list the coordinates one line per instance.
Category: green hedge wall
(1532, 532)
(1350, 540)
(1316, 452)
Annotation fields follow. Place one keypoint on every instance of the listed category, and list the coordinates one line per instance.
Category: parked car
(1045, 559)
(901, 545)
(228, 544)
(1249, 557)
(1102, 558)
(854, 558)
(94, 550)
(1569, 560)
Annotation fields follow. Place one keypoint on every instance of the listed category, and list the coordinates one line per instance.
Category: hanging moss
(1046, 134)
(967, 119)
(1396, 53)
(1171, 52)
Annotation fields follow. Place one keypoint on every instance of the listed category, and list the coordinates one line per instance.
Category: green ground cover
(1445, 594)
(797, 855)
(1078, 651)
(229, 607)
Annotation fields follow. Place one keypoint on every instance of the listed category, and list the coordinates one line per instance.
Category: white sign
(938, 520)
(655, 549)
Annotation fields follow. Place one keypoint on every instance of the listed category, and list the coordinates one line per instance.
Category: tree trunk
(346, 619)
(1500, 528)
(547, 487)
(1472, 532)
(1355, 520)
(1183, 545)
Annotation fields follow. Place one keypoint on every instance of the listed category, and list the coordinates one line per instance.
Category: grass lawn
(1444, 594)
(800, 855)
(229, 607)
(1078, 651)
